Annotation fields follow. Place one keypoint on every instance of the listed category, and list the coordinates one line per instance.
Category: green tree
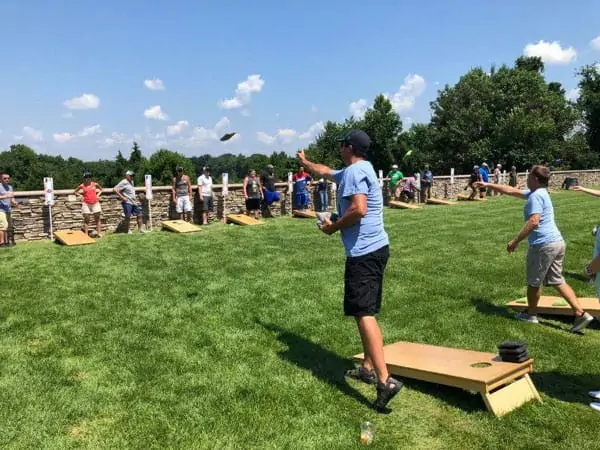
(383, 125)
(588, 104)
(136, 162)
(161, 165)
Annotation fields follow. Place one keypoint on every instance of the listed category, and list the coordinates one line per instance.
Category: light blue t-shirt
(538, 202)
(368, 234)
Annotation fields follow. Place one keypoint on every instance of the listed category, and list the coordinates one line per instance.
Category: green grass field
(234, 337)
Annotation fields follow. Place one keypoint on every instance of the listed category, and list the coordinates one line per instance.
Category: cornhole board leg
(403, 205)
(510, 397)
(545, 306)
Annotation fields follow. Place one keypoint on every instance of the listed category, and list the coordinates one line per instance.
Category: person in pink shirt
(90, 193)
(409, 189)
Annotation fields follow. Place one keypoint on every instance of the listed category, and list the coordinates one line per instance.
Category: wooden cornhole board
(439, 201)
(463, 197)
(397, 204)
(545, 306)
(72, 237)
(180, 226)
(242, 219)
(503, 386)
(307, 214)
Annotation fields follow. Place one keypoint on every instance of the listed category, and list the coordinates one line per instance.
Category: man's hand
(512, 246)
(327, 227)
(577, 188)
(301, 156)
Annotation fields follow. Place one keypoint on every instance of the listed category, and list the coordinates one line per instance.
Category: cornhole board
(180, 226)
(307, 214)
(503, 386)
(546, 306)
(397, 204)
(439, 201)
(462, 197)
(73, 237)
(242, 219)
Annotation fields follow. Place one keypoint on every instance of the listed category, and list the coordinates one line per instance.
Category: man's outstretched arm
(593, 192)
(503, 189)
(319, 169)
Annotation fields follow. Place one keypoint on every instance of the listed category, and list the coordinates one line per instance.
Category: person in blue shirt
(484, 171)
(547, 247)
(360, 222)
(301, 181)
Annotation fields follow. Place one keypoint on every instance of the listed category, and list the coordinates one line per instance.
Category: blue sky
(79, 78)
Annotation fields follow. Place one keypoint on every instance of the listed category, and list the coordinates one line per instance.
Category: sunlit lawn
(234, 337)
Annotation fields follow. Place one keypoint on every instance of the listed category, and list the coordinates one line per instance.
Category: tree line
(510, 115)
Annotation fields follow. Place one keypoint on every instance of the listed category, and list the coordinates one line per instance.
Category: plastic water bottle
(367, 431)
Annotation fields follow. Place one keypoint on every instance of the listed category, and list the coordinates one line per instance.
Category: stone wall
(31, 219)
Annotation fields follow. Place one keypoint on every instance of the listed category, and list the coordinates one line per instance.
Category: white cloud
(573, 94)
(551, 52)
(88, 131)
(115, 139)
(358, 109)
(18, 138)
(286, 135)
(156, 113)
(155, 84)
(177, 128)
(313, 131)
(202, 135)
(63, 137)
(86, 101)
(265, 138)
(595, 43)
(33, 134)
(252, 85)
(404, 99)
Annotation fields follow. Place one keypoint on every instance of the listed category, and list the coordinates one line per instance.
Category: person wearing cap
(7, 201)
(270, 195)
(205, 195)
(323, 190)
(497, 177)
(90, 192)
(484, 170)
(181, 191)
(395, 176)
(474, 177)
(366, 243)
(131, 206)
(409, 188)
(253, 194)
(546, 252)
(426, 183)
(301, 180)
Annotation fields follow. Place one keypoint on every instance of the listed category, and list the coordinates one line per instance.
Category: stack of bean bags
(513, 351)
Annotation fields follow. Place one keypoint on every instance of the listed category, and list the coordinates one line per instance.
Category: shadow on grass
(486, 307)
(330, 367)
(324, 364)
(567, 388)
(576, 276)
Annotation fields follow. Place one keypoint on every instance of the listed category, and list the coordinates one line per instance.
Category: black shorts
(252, 204)
(363, 283)
(207, 203)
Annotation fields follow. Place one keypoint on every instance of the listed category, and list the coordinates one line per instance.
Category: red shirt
(89, 193)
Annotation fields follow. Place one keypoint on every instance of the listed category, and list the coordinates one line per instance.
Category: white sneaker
(582, 322)
(529, 318)
(595, 406)
(143, 230)
(595, 394)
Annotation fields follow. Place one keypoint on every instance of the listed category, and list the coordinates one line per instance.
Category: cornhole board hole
(180, 226)
(307, 214)
(439, 201)
(503, 386)
(462, 197)
(397, 204)
(72, 237)
(558, 306)
(242, 219)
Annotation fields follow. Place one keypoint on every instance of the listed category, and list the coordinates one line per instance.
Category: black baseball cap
(358, 139)
(87, 175)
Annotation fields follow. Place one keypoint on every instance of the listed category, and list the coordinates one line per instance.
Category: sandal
(360, 373)
(386, 392)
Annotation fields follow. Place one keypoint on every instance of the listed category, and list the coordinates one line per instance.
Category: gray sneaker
(529, 318)
(581, 322)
